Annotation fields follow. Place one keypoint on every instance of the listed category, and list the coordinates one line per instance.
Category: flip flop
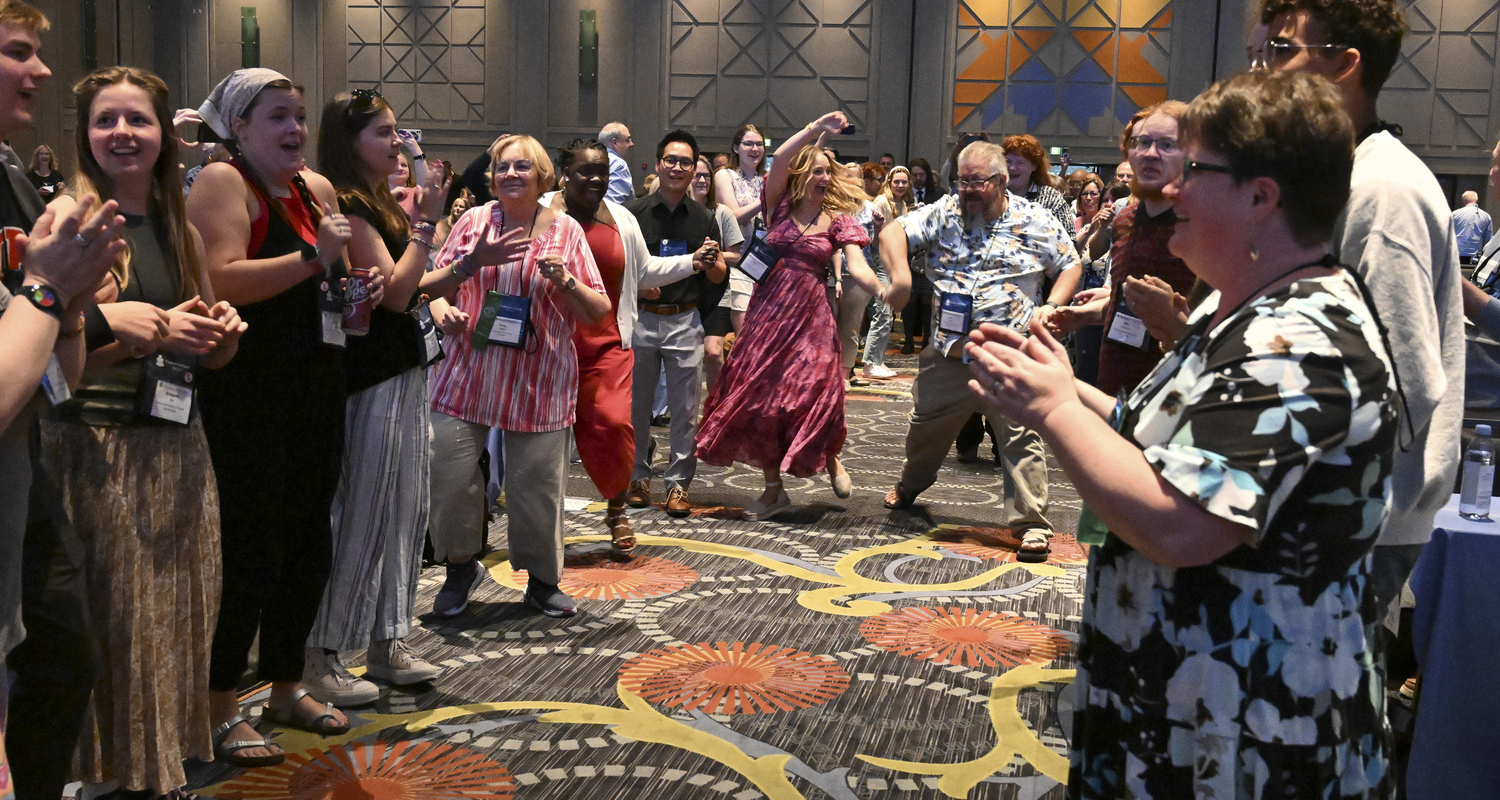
(291, 719)
(228, 750)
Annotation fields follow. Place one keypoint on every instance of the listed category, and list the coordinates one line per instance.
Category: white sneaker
(392, 661)
(879, 372)
(328, 681)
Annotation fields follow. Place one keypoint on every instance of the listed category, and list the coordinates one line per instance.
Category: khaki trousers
(943, 402)
(536, 473)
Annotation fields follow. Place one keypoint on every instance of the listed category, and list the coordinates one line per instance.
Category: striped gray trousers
(379, 516)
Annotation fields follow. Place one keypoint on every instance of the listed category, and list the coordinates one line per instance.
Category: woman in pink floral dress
(779, 404)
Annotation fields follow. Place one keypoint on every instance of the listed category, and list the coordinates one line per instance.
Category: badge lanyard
(505, 319)
(1126, 328)
(331, 310)
(432, 343)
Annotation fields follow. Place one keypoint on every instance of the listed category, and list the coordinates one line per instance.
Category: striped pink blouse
(532, 390)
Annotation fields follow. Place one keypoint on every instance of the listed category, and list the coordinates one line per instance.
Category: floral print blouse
(1251, 676)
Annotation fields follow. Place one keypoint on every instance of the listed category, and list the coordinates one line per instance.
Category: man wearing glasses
(989, 253)
(1397, 234)
(1145, 279)
(669, 332)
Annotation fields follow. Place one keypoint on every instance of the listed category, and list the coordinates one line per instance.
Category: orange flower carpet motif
(981, 543)
(964, 636)
(596, 576)
(376, 771)
(734, 678)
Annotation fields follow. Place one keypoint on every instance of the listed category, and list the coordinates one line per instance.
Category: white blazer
(642, 270)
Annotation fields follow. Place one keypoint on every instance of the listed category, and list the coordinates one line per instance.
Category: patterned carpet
(839, 652)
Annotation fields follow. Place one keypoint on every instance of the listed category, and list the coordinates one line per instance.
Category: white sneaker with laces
(328, 681)
(392, 661)
(879, 372)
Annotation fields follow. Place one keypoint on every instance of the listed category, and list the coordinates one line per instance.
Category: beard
(1145, 193)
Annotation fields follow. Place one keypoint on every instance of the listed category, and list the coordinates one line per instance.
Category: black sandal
(622, 538)
(290, 719)
(228, 751)
(904, 500)
(1035, 547)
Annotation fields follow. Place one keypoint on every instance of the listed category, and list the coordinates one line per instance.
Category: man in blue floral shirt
(990, 255)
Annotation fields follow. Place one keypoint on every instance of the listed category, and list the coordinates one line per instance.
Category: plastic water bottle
(1479, 476)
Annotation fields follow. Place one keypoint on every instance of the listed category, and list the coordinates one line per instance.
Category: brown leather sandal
(622, 538)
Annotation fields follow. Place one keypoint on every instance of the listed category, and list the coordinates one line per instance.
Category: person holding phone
(524, 276)
(779, 404)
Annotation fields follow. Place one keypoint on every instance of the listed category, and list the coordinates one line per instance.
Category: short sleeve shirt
(1278, 419)
(687, 226)
(531, 390)
(1001, 264)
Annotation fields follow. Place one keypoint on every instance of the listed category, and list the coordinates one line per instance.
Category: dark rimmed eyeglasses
(1276, 52)
(976, 183)
(1189, 167)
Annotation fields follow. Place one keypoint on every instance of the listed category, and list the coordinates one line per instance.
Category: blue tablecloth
(1456, 631)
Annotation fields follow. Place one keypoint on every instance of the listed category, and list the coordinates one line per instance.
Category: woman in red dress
(779, 404)
(603, 432)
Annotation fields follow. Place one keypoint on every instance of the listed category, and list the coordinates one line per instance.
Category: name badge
(673, 247)
(167, 392)
(502, 321)
(1128, 329)
(432, 345)
(956, 314)
(331, 310)
(55, 383)
(759, 256)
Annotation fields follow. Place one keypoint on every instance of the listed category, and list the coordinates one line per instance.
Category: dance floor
(843, 651)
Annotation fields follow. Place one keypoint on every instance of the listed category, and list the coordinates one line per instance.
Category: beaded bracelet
(423, 227)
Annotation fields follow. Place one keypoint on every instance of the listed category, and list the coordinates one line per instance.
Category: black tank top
(282, 366)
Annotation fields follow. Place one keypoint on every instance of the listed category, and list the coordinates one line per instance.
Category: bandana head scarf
(232, 96)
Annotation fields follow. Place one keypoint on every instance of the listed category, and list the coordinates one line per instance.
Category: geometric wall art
(1441, 87)
(1059, 67)
(426, 57)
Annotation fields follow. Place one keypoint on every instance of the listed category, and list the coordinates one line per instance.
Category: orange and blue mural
(1062, 66)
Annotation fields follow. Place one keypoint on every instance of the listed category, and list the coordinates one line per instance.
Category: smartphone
(847, 131)
(416, 133)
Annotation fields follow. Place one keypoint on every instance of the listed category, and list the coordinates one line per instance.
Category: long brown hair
(167, 209)
(36, 157)
(339, 159)
(734, 148)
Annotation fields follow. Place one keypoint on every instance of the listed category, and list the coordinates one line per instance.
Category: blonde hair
(898, 206)
(532, 150)
(22, 15)
(842, 195)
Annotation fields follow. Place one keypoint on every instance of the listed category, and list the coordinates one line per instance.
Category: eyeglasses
(680, 162)
(520, 167)
(1090, 193)
(976, 183)
(701, 176)
(360, 98)
(1198, 166)
(1143, 144)
(1276, 52)
(751, 143)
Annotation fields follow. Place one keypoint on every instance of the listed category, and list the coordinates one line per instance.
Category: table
(1456, 632)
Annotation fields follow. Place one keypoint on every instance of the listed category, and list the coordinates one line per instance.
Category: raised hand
(431, 195)
(333, 233)
(1025, 380)
(73, 252)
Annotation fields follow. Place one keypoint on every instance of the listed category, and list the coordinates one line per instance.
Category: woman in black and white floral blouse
(1225, 649)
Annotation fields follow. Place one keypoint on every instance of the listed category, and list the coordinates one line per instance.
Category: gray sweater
(1397, 232)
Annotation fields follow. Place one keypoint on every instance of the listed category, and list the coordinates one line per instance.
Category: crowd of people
(236, 404)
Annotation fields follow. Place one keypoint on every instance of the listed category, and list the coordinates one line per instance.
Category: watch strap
(45, 298)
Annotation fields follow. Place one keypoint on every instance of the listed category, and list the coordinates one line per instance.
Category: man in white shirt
(616, 138)
(1397, 234)
(1473, 227)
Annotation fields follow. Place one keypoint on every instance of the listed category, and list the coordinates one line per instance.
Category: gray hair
(1470, 197)
(987, 154)
(611, 134)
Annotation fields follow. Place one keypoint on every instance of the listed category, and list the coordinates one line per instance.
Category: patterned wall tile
(1440, 88)
(425, 56)
(1050, 67)
(770, 62)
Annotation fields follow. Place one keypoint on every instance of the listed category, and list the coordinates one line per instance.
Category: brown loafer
(677, 502)
(639, 495)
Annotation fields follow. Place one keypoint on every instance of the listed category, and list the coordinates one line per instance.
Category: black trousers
(276, 476)
(55, 666)
(971, 436)
(916, 318)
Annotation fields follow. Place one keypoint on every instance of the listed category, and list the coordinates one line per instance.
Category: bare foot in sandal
(1035, 546)
(622, 537)
(899, 499)
(305, 712)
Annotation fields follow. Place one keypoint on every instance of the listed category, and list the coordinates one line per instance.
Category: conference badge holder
(504, 320)
(55, 383)
(331, 311)
(167, 391)
(432, 345)
(759, 256)
(1128, 329)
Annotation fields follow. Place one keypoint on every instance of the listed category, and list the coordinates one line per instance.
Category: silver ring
(79, 240)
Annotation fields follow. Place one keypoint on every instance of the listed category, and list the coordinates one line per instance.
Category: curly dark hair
(1290, 127)
(1373, 27)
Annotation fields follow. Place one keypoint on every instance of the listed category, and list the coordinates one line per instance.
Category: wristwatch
(309, 252)
(43, 297)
